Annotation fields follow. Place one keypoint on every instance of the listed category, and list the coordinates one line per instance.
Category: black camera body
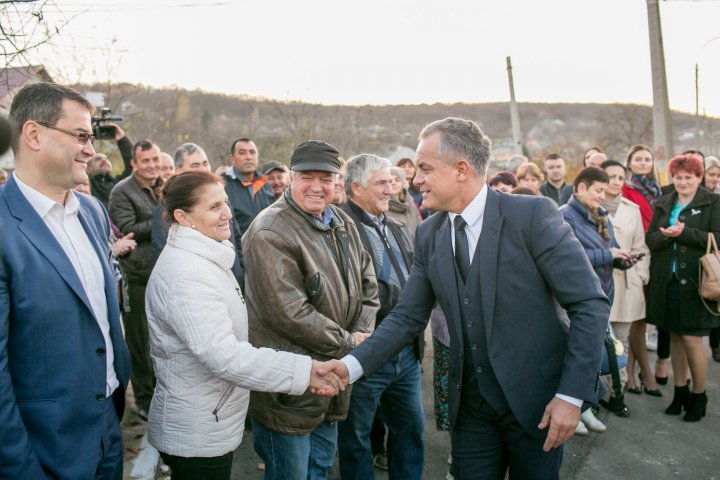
(101, 131)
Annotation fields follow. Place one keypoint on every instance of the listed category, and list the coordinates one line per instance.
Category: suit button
(474, 346)
(478, 369)
(99, 397)
(683, 281)
(683, 249)
(457, 387)
(466, 301)
(100, 352)
(469, 324)
(460, 355)
(683, 265)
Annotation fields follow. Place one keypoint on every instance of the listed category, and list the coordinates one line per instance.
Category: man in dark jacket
(247, 188)
(132, 202)
(555, 186)
(99, 168)
(396, 386)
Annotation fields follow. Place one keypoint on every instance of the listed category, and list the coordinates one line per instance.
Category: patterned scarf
(648, 187)
(599, 216)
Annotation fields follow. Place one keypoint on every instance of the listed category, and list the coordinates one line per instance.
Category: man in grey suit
(501, 267)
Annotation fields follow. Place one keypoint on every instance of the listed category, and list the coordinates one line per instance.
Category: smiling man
(498, 265)
(132, 202)
(396, 386)
(248, 190)
(310, 289)
(64, 366)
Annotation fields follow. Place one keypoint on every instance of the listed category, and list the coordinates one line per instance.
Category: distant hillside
(173, 116)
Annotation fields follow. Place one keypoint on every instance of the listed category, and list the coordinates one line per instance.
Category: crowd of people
(292, 299)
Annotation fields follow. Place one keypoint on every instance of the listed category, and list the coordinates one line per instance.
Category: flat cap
(315, 155)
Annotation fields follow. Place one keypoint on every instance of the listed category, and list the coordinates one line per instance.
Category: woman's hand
(674, 231)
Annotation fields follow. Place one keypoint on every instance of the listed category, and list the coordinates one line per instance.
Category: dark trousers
(110, 465)
(486, 445)
(199, 468)
(377, 434)
(136, 337)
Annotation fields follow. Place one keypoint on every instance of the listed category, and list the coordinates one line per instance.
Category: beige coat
(629, 303)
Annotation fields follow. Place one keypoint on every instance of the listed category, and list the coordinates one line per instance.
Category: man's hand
(338, 368)
(123, 245)
(562, 417)
(360, 337)
(323, 380)
(119, 133)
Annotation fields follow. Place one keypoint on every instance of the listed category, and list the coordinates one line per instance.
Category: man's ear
(30, 135)
(463, 169)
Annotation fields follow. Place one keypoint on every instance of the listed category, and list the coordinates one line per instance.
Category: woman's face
(529, 182)
(686, 184)
(409, 172)
(641, 163)
(211, 215)
(617, 179)
(712, 176)
(591, 194)
(396, 184)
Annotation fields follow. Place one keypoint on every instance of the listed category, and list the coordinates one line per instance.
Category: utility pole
(514, 113)
(697, 103)
(662, 126)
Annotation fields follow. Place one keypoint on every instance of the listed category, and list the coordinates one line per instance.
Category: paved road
(646, 445)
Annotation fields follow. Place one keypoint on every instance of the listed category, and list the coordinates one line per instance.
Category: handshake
(330, 378)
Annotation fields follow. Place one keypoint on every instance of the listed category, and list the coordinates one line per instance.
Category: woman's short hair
(181, 192)
(688, 162)
(525, 191)
(504, 177)
(590, 175)
(612, 163)
(405, 161)
(529, 170)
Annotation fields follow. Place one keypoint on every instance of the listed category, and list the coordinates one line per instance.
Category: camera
(101, 131)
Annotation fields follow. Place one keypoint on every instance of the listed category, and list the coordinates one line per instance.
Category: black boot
(696, 408)
(680, 401)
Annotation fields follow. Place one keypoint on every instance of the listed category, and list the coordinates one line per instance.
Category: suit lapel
(444, 261)
(39, 235)
(485, 260)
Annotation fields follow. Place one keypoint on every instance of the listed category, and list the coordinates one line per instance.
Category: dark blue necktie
(462, 251)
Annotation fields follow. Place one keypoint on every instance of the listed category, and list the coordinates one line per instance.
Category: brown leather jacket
(308, 287)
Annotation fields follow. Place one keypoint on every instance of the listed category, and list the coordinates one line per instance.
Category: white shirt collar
(473, 213)
(43, 204)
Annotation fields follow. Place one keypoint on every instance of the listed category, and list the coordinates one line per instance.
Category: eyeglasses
(82, 137)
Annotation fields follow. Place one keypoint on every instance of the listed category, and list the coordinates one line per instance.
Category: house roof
(14, 78)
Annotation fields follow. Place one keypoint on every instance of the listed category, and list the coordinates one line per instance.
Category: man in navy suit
(64, 366)
(504, 269)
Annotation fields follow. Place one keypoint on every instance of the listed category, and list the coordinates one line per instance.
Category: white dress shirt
(473, 215)
(64, 224)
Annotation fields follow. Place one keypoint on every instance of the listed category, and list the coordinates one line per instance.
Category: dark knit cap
(315, 155)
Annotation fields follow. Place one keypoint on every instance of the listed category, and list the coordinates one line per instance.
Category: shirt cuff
(575, 401)
(355, 370)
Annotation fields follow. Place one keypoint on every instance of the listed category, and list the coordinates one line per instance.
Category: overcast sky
(394, 51)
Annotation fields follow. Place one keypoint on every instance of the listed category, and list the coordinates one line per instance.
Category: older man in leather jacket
(311, 289)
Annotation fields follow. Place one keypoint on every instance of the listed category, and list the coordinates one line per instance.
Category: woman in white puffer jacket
(197, 322)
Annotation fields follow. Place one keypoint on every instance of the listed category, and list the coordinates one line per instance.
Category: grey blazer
(528, 261)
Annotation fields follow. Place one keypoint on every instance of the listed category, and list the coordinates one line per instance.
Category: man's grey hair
(184, 150)
(460, 138)
(359, 168)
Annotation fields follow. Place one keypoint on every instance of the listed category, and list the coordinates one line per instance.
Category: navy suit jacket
(527, 264)
(52, 352)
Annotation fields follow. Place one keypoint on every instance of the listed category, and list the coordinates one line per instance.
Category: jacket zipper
(222, 401)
